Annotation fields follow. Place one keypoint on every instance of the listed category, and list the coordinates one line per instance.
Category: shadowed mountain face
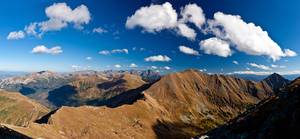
(276, 81)
(19, 110)
(277, 117)
(77, 88)
(179, 105)
(93, 90)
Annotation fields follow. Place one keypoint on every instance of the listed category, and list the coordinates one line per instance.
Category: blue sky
(78, 39)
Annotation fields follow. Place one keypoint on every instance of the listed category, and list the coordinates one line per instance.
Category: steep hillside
(277, 117)
(19, 110)
(202, 101)
(179, 105)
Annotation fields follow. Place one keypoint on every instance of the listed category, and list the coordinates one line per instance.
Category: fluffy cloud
(106, 52)
(259, 66)
(117, 66)
(247, 37)
(15, 35)
(153, 18)
(60, 15)
(194, 14)
(215, 46)
(99, 30)
(41, 49)
(61, 11)
(235, 62)
(132, 65)
(228, 29)
(188, 50)
(184, 30)
(120, 51)
(159, 58)
(167, 68)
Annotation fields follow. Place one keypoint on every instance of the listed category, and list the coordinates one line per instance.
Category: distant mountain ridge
(258, 78)
(48, 80)
(35, 82)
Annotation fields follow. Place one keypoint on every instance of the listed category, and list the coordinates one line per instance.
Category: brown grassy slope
(180, 105)
(19, 110)
(203, 101)
(127, 121)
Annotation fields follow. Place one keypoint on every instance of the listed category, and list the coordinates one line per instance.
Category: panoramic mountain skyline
(212, 36)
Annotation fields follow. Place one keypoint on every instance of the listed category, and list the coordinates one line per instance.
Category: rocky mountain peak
(276, 81)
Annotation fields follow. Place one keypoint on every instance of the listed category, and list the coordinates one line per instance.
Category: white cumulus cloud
(60, 15)
(215, 46)
(194, 14)
(41, 49)
(184, 30)
(246, 37)
(159, 58)
(15, 35)
(153, 18)
(188, 50)
(61, 11)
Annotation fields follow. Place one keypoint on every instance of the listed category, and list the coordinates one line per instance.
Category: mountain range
(142, 104)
